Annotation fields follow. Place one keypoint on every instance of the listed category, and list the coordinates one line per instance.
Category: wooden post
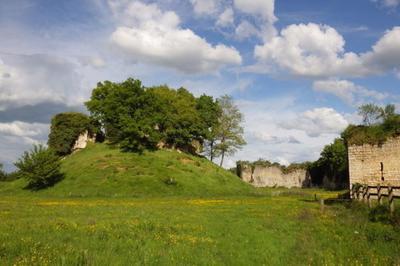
(322, 204)
(391, 200)
(358, 193)
(365, 191)
(368, 197)
(379, 194)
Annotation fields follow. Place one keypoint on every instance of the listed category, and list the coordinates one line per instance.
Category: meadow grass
(282, 228)
(170, 208)
(103, 171)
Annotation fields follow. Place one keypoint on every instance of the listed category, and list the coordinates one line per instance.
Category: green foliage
(139, 118)
(3, 175)
(265, 163)
(283, 227)
(331, 169)
(102, 170)
(370, 113)
(229, 133)
(374, 134)
(210, 112)
(40, 166)
(65, 129)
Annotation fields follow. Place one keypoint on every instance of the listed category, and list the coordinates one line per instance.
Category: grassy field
(103, 171)
(168, 208)
(282, 227)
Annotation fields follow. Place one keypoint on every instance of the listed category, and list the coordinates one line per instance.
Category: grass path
(272, 230)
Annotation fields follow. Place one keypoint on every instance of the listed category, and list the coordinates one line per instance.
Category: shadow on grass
(39, 185)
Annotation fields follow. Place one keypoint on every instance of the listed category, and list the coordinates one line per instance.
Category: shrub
(3, 175)
(40, 166)
(66, 128)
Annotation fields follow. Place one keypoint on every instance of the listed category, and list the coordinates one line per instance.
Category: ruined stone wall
(83, 140)
(369, 164)
(270, 176)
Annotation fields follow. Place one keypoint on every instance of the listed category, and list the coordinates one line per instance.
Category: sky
(297, 69)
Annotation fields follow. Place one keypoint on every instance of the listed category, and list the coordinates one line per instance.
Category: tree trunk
(212, 151)
(222, 158)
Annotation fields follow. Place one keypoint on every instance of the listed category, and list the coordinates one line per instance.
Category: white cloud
(388, 3)
(17, 137)
(263, 12)
(271, 139)
(205, 7)
(264, 8)
(246, 30)
(22, 129)
(385, 54)
(267, 139)
(226, 18)
(314, 50)
(32, 79)
(347, 91)
(317, 122)
(156, 37)
(94, 61)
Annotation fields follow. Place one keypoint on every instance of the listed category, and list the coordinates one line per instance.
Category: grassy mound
(100, 170)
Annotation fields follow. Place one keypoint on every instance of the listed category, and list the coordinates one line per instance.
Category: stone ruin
(82, 141)
(375, 164)
(273, 176)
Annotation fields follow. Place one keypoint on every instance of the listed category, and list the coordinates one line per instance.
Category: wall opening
(382, 177)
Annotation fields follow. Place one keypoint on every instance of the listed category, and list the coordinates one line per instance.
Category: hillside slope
(100, 170)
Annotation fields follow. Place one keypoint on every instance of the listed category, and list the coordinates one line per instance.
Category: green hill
(101, 170)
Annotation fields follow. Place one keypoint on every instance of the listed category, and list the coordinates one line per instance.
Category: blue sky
(296, 69)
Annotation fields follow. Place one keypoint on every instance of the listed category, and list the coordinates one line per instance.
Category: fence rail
(365, 193)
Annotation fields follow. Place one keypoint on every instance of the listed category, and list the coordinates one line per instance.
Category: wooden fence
(366, 193)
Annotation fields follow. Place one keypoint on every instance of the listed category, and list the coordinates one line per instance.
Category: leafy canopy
(65, 129)
(138, 118)
(380, 123)
(40, 166)
(229, 132)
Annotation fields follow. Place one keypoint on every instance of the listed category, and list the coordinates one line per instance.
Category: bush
(66, 128)
(40, 166)
(3, 175)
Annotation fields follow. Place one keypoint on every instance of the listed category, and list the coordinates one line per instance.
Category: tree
(209, 111)
(370, 113)
(387, 112)
(138, 118)
(3, 175)
(65, 129)
(230, 132)
(40, 166)
(332, 165)
(127, 113)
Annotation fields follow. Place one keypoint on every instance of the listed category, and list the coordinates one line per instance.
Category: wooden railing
(366, 193)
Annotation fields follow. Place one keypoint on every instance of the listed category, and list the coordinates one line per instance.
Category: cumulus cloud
(22, 129)
(314, 50)
(388, 3)
(94, 61)
(347, 91)
(263, 12)
(317, 122)
(33, 79)
(205, 7)
(246, 30)
(267, 139)
(16, 137)
(264, 8)
(156, 37)
(226, 18)
(271, 139)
